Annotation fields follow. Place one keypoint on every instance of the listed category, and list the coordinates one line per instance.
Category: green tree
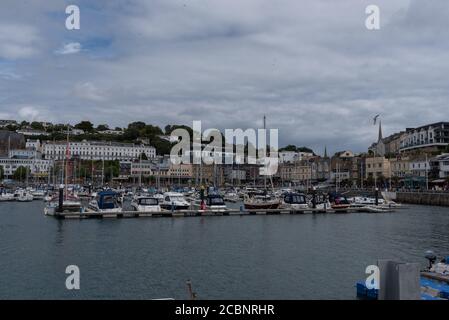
(2, 173)
(131, 134)
(162, 146)
(86, 126)
(139, 125)
(37, 125)
(24, 124)
(290, 147)
(151, 131)
(169, 129)
(102, 127)
(111, 170)
(21, 173)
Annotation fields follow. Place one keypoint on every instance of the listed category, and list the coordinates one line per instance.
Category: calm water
(255, 257)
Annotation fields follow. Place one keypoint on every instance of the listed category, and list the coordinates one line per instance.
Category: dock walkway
(200, 213)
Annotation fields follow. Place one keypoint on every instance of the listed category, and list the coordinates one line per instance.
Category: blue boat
(105, 201)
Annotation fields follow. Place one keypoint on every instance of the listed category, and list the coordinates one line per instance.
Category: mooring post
(314, 197)
(61, 199)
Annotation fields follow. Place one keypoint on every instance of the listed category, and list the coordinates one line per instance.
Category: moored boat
(294, 201)
(261, 201)
(105, 201)
(174, 201)
(145, 204)
(22, 195)
(212, 202)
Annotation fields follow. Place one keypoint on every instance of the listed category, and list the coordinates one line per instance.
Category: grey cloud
(310, 66)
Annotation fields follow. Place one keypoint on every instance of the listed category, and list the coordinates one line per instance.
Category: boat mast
(66, 163)
(265, 155)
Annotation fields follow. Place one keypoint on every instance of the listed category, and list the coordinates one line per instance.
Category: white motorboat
(294, 201)
(146, 204)
(365, 201)
(22, 195)
(212, 202)
(38, 194)
(174, 201)
(6, 196)
(231, 197)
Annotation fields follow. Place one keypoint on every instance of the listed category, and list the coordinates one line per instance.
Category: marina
(300, 256)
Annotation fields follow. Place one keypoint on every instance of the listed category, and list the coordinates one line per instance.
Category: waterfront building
(377, 167)
(420, 167)
(97, 150)
(37, 167)
(297, 172)
(25, 153)
(293, 156)
(431, 137)
(345, 165)
(400, 167)
(33, 144)
(208, 174)
(161, 170)
(321, 169)
(442, 165)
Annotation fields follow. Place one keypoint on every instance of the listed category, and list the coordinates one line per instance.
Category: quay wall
(430, 198)
(424, 198)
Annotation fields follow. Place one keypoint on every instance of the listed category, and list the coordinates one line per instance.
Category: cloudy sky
(310, 65)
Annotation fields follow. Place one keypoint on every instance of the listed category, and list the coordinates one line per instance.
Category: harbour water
(306, 256)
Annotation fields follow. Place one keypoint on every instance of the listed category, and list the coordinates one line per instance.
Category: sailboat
(70, 203)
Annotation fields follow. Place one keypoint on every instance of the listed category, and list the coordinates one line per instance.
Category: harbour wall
(424, 198)
(429, 198)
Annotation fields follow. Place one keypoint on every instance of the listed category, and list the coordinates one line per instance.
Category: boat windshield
(215, 201)
(148, 202)
(296, 198)
(174, 198)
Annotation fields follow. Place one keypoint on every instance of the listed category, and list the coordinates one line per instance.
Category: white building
(37, 166)
(432, 135)
(31, 132)
(33, 144)
(74, 132)
(25, 153)
(94, 150)
(111, 132)
(293, 156)
(443, 165)
(419, 167)
(340, 175)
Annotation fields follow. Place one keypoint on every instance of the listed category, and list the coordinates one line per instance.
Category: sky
(311, 66)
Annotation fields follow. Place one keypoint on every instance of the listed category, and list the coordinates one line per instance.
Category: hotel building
(94, 150)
